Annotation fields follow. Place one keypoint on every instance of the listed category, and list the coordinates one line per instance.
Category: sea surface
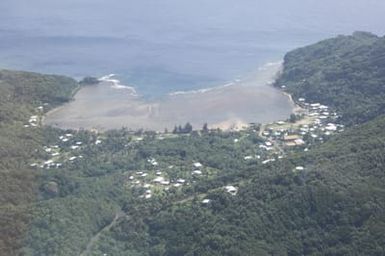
(170, 45)
(163, 49)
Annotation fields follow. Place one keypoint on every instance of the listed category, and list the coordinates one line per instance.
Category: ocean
(159, 47)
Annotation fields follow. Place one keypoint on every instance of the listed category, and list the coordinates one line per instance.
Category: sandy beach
(229, 106)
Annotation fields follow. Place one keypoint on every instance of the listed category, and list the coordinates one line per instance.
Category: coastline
(297, 109)
(229, 107)
(58, 108)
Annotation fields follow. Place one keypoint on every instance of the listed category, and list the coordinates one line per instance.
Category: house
(49, 162)
(232, 190)
(165, 182)
(153, 162)
(299, 142)
(293, 140)
(331, 127)
(315, 105)
(268, 161)
(206, 201)
(197, 172)
(291, 137)
(158, 180)
(197, 165)
(290, 144)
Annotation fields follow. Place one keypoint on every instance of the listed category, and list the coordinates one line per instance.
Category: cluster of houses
(320, 122)
(64, 152)
(229, 189)
(156, 180)
(33, 121)
(159, 180)
(317, 122)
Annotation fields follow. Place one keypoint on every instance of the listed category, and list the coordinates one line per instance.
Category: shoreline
(58, 108)
(297, 109)
(227, 107)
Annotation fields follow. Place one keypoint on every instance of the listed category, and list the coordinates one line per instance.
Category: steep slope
(334, 207)
(21, 93)
(346, 72)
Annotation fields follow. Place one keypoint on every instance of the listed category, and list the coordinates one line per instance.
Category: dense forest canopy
(22, 95)
(66, 192)
(346, 72)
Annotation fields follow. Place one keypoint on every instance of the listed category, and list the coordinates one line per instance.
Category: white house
(197, 165)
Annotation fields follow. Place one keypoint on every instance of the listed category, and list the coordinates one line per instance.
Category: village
(312, 123)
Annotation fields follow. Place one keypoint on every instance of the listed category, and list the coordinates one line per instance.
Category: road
(96, 237)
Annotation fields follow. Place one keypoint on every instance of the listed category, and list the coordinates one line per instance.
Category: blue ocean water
(170, 45)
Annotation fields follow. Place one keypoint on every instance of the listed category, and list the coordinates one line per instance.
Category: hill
(22, 95)
(346, 73)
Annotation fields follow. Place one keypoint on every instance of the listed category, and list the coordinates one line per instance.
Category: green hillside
(21, 95)
(334, 207)
(346, 72)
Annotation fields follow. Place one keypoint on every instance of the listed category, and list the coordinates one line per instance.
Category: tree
(205, 128)
(88, 80)
(175, 130)
(187, 128)
(293, 118)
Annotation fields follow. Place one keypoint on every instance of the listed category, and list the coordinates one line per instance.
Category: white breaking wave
(116, 84)
(270, 64)
(236, 81)
(201, 90)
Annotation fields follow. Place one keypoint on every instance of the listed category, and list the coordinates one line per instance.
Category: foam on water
(115, 83)
(236, 81)
(201, 90)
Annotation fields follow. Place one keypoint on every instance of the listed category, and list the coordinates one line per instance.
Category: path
(96, 237)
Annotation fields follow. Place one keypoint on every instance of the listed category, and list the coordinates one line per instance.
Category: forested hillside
(333, 207)
(21, 95)
(206, 192)
(346, 72)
